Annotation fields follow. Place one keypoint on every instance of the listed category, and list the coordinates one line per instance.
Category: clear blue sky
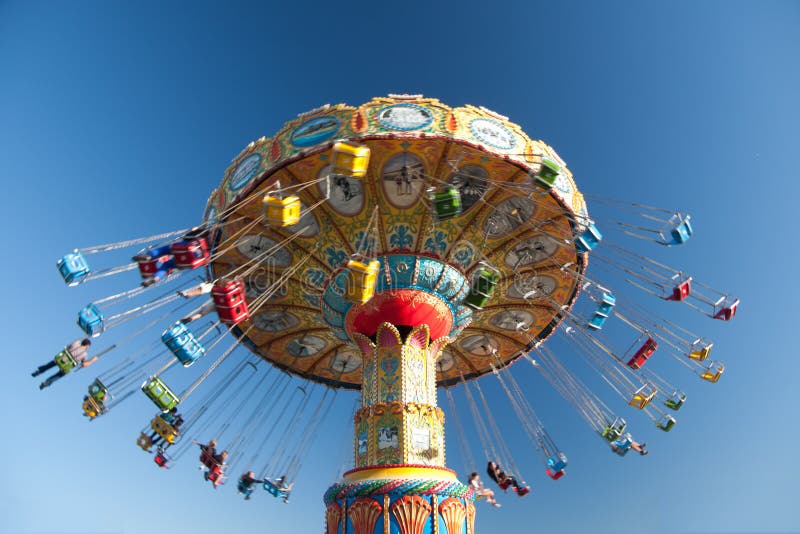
(117, 120)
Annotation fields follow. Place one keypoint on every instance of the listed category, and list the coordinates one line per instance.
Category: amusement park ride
(396, 248)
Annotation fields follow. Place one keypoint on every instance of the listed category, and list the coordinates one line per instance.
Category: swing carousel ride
(393, 248)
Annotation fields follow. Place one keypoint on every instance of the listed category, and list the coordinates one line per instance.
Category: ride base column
(400, 484)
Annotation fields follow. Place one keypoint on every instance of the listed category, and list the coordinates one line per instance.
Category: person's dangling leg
(42, 368)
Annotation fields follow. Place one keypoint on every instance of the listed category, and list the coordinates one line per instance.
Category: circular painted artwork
(514, 320)
(314, 131)
(530, 251)
(531, 287)
(305, 345)
(480, 345)
(405, 117)
(345, 360)
(245, 170)
(445, 362)
(275, 321)
(346, 192)
(509, 215)
(257, 247)
(471, 182)
(493, 133)
(403, 179)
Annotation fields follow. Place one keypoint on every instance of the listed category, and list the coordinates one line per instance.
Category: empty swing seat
(158, 392)
(281, 211)
(675, 401)
(161, 459)
(64, 361)
(361, 280)
(727, 313)
(350, 159)
(90, 320)
(681, 233)
(681, 291)
(190, 254)
(713, 372)
(597, 321)
(73, 268)
(446, 203)
(666, 423)
(161, 427)
(700, 352)
(229, 298)
(557, 462)
(645, 351)
(642, 397)
(182, 343)
(548, 173)
(144, 442)
(482, 288)
(604, 310)
(589, 239)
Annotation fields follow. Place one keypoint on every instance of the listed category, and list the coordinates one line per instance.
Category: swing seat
(65, 361)
(229, 298)
(361, 280)
(190, 254)
(548, 172)
(150, 267)
(350, 159)
(182, 343)
(228, 292)
(207, 459)
(615, 429)
(555, 475)
(622, 445)
(681, 233)
(281, 211)
(158, 392)
(588, 239)
(557, 462)
(521, 492)
(161, 460)
(272, 488)
(597, 321)
(681, 291)
(90, 320)
(73, 268)
(607, 303)
(215, 475)
(93, 408)
(642, 397)
(645, 351)
(482, 288)
(164, 429)
(98, 391)
(446, 204)
(728, 312)
(244, 489)
(144, 442)
(666, 423)
(675, 401)
(713, 373)
(701, 353)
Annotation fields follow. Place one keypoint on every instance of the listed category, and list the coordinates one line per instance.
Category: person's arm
(87, 363)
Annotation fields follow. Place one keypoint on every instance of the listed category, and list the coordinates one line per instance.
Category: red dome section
(409, 307)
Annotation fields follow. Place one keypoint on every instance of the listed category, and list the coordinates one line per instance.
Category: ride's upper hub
(417, 144)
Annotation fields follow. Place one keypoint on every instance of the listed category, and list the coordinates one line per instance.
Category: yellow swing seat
(164, 429)
(713, 373)
(92, 407)
(642, 397)
(361, 280)
(350, 159)
(281, 211)
(701, 352)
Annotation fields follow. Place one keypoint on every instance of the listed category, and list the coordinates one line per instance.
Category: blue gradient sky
(117, 120)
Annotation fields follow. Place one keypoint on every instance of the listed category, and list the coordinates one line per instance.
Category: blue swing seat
(604, 309)
(244, 489)
(274, 490)
(681, 233)
(622, 444)
(73, 268)
(557, 462)
(588, 239)
(90, 320)
(182, 343)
